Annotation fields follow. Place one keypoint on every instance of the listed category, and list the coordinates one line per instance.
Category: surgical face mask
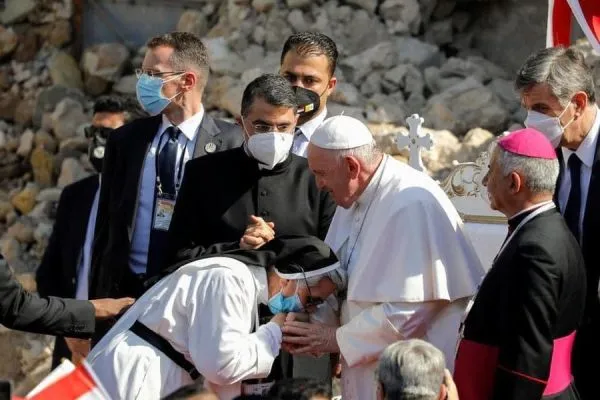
(281, 304)
(149, 93)
(549, 126)
(270, 148)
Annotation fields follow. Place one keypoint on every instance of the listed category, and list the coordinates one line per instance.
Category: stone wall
(451, 61)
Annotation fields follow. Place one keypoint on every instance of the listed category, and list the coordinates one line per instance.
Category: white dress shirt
(83, 269)
(138, 257)
(586, 152)
(300, 145)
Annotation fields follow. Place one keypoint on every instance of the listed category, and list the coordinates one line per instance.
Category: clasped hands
(258, 233)
(310, 338)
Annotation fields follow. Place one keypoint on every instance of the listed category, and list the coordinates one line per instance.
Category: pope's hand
(111, 308)
(257, 233)
(310, 338)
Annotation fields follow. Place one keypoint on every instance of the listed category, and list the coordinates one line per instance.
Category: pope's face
(498, 186)
(333, 175)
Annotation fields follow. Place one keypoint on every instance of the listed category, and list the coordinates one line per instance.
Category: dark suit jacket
(57, 274)
(533, 294)
(590, 231)
(220, 191)
(126, 150)
(24, 311)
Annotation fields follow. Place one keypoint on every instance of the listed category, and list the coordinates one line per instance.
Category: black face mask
(97, 136)
(308, 102)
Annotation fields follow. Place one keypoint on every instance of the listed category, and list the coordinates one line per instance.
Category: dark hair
(110, 104)
(299, 389)
(189, 390)
(308, 44)
(128, 105)
(188, 52)
(272, 88)
(563, 70)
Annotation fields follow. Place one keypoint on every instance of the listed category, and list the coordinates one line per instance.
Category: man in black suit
(308, 61)
(557, 89)
(261, 181)
(517, 339)
(144, 164)
(65, 267)
(28, 312)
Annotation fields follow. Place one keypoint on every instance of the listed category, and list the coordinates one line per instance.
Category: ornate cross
(414, 141)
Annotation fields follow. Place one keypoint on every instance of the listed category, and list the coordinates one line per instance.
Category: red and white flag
(68, 382)
(560, 14)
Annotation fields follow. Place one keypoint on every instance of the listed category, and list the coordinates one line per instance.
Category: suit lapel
(561, 171)
(592, 213)
(208, 140)
(141, 142)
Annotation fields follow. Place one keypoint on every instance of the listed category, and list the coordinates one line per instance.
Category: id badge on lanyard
(165, 202)
(163, 211)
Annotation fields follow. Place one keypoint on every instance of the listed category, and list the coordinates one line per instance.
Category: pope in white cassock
(201, 320)
(411, 268)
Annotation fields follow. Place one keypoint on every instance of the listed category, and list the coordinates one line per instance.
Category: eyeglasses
(311, 301)
(155, 74)
(263, 128)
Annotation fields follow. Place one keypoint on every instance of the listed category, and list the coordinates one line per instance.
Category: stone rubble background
(451, 61)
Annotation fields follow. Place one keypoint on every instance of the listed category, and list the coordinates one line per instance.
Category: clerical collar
(261, 282)
(516, 219)
(371, 189)
(587, 149)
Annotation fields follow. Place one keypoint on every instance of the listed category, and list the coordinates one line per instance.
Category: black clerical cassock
(518, 336)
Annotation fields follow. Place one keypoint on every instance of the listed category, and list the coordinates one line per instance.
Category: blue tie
(573, 208)
(167, 158)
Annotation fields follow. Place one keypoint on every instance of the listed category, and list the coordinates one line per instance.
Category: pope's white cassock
(410, 264)
(206, 310)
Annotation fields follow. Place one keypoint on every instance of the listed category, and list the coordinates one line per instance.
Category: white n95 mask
(549, 126)
(270, 148)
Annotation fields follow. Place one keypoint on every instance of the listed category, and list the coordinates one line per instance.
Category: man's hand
(111, 308)
(310, 338)
(279, 319)
(257, 233)
(79, 348)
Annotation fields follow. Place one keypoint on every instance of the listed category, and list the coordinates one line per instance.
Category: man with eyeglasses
(259, 187)
(201, 319)
(64, 271)
(145, 160)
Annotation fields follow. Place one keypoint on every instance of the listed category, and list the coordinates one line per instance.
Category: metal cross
(414, 141)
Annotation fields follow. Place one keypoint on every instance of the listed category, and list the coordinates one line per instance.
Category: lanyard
(362, 223)
(179, 171)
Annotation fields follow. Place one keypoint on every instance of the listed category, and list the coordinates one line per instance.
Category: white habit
(411, 271)
(206, 310)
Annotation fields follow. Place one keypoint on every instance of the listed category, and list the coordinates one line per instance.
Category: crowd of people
(270, 255)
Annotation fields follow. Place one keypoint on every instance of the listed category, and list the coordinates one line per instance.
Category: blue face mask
(149, 94)
(280, 304)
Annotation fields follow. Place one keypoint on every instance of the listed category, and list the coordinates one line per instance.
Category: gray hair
(411, 370)
(368, 153)
(564, 70)
(540, 174)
